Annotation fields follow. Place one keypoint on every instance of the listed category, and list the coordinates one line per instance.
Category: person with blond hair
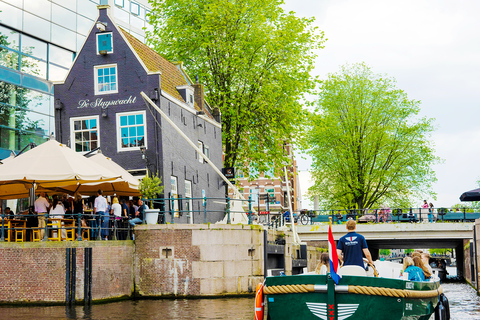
(323, 266)
(352, 246)
(116, 208)
(414, 272)
(417, 261)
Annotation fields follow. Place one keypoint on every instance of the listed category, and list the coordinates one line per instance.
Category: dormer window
(186, 92)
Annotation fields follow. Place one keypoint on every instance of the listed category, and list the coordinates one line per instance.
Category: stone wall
(36, 272)
(198, 260)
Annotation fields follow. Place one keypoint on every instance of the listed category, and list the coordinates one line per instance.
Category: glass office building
(39, 40)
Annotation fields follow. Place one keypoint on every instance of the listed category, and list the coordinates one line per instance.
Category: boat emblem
(320, 310)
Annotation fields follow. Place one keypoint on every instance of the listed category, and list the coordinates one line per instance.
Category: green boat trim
(354, 298)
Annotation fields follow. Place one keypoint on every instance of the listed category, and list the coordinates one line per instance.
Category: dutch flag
(332, 254)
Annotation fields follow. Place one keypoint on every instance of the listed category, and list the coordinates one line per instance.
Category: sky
(432, 49)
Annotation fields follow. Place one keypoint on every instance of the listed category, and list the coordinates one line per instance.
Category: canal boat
(313, 296)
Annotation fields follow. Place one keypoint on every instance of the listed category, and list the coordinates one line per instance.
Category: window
(174, 195)
(104, 43)
(131, 131)
(119, 3)
(189, 202)
(106, 79)
(84, 133)
(200, 146)
(135, 8)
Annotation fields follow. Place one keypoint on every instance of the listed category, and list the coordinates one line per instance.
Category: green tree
(150, 187)
(255, 61)
(384, 252)
(368, 145)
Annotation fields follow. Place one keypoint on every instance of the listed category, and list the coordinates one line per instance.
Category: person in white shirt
(116, 208)
(41, 208)
(100, 208)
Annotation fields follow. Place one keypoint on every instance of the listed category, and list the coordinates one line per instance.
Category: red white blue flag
(332, 254)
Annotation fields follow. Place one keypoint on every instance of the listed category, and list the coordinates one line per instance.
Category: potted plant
(150, 187)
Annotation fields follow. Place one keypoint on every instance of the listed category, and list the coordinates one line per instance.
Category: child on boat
(323, 266)
(414, 273)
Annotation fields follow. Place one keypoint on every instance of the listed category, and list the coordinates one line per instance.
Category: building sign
(100, 102)
(229, 173)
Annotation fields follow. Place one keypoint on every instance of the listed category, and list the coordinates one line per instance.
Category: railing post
(79, 238)
(172, 204)
(205, 209)
(464, 215)
(2, 239)
(228, 210)
(250, 209)
(45, 236)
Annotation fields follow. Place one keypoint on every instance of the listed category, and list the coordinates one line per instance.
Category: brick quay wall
(163, 261)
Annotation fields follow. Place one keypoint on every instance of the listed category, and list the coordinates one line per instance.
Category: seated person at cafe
(139, 214)
(9, 213)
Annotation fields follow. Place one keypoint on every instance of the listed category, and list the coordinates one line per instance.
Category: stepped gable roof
(172, 76)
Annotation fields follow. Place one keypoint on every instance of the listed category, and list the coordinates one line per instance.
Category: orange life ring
(259, 303)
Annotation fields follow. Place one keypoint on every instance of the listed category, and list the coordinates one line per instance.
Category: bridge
(398, 236)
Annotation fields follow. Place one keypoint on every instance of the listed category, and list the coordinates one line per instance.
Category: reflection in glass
(41, 8)
(20, 126)
(11, 16)
(9, 38)
(67, 37)
(121, 14)
(63, 17)
(69, 4)
(37, 26)
(85, 133)
(34, 47)
(137, 22)
(8, 59)
(132, 130)
(83, 25)
(87, 9)
(56, 73)
(34, 67)
(60, 56)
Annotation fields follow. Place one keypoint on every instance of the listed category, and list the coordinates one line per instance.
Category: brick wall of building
(194, 260)
(36, 272)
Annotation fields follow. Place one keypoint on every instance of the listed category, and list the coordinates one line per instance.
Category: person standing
(100, 207)
(41, 208)
(430, 212)
(352, 245)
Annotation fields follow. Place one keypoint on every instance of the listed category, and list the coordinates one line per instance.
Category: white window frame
(95, 68)
(111, 51)
(188, 195)
(119, 131)
(200, 146)
(72, 131)
(174, 195)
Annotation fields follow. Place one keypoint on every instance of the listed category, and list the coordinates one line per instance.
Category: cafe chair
(36, 235)
(19, 235)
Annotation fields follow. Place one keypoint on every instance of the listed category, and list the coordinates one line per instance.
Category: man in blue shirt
(352, 245)
(139, 214)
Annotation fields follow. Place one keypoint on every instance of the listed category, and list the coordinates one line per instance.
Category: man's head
(99, 192)
(42, 194)
(7, 210)
(140, 202)
(351, 225)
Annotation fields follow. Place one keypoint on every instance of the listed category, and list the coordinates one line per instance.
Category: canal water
(464, 305)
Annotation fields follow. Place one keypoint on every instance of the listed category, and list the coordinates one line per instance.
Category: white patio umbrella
(47, 166)
(125, 185)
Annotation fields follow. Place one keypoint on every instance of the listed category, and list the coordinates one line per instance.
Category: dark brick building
(99, 105)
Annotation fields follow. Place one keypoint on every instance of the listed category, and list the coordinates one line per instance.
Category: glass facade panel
(64, 17)
(80, 42)
(11, 16)
(60, 56)
(121, 14)
(67, 37)
(135, 8)
(40, 8)
(87, 9)
(34, 47)
(69, 4)
(34, 67)
(56, 73)
(9, 38)
(8, 59)
(84, 25)
(19, 124)
(132, 131)
(37, 26)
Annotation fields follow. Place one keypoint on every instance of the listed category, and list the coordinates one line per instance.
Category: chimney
(198, 95)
